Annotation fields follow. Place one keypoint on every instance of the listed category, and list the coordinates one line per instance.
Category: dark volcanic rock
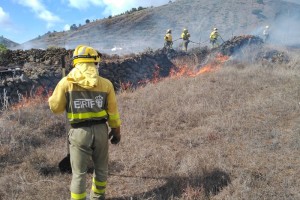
(23, 73)
(232, 46)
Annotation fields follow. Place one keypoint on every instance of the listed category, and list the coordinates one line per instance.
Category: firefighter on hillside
(168, 39)
(185, 36)
(90, 103)
(266, 34)
(213, 37)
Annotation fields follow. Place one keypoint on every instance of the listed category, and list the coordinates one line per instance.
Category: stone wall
(25, 73)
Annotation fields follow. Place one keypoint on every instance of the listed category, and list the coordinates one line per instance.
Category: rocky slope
(8, 43)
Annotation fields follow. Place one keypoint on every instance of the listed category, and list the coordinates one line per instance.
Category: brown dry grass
(229, 134)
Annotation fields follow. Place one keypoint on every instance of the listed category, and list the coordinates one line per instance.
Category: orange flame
(211, 67)
(179, 72)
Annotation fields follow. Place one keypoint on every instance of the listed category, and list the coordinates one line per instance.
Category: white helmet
(215, 29)
(169, 31)
(267, 26)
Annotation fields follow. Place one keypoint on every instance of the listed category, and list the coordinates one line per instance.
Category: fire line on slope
(210, 67)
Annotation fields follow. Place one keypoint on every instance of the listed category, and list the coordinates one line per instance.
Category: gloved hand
(114, 136)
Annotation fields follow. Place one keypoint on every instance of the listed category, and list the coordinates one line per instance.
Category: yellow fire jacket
(168, 37)
(185, 36)
(84, 95)
(214, 35)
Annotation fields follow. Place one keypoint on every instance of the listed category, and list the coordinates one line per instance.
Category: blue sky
(23, 20)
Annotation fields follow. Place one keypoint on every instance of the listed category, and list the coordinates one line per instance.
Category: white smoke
(293, 1)
(286, 30)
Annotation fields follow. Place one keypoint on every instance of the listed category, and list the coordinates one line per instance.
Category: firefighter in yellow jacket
(168, 39)
(185, 36)
(90, 103)
(214, 37)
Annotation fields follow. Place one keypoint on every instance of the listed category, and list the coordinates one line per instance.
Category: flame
(38, 97)
(126, 86)
(211, 67)
(175, 73)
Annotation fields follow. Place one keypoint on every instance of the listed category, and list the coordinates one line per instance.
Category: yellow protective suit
(89, 101)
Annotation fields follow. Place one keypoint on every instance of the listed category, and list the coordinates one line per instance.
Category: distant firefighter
(266, 33)
(168, 39)
(214, 37)
(185, 36)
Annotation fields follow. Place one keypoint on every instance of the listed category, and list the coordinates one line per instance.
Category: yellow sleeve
(57, 101)
(114, 120)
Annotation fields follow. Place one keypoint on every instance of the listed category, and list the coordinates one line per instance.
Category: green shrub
(3, 48)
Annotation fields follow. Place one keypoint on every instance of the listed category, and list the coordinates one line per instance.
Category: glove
(114, 136)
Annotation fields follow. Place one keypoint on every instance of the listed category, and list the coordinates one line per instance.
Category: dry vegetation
(229, 134)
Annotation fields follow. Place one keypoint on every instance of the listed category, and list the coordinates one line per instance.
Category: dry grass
(229, 134)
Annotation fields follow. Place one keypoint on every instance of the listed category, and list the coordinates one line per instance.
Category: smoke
(286, 30)
(293, 1)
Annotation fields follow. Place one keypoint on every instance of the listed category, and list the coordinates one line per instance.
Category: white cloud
(4, 18)
(41, 11)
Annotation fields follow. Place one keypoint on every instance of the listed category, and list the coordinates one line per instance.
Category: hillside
(8, 43)
(146, 28)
